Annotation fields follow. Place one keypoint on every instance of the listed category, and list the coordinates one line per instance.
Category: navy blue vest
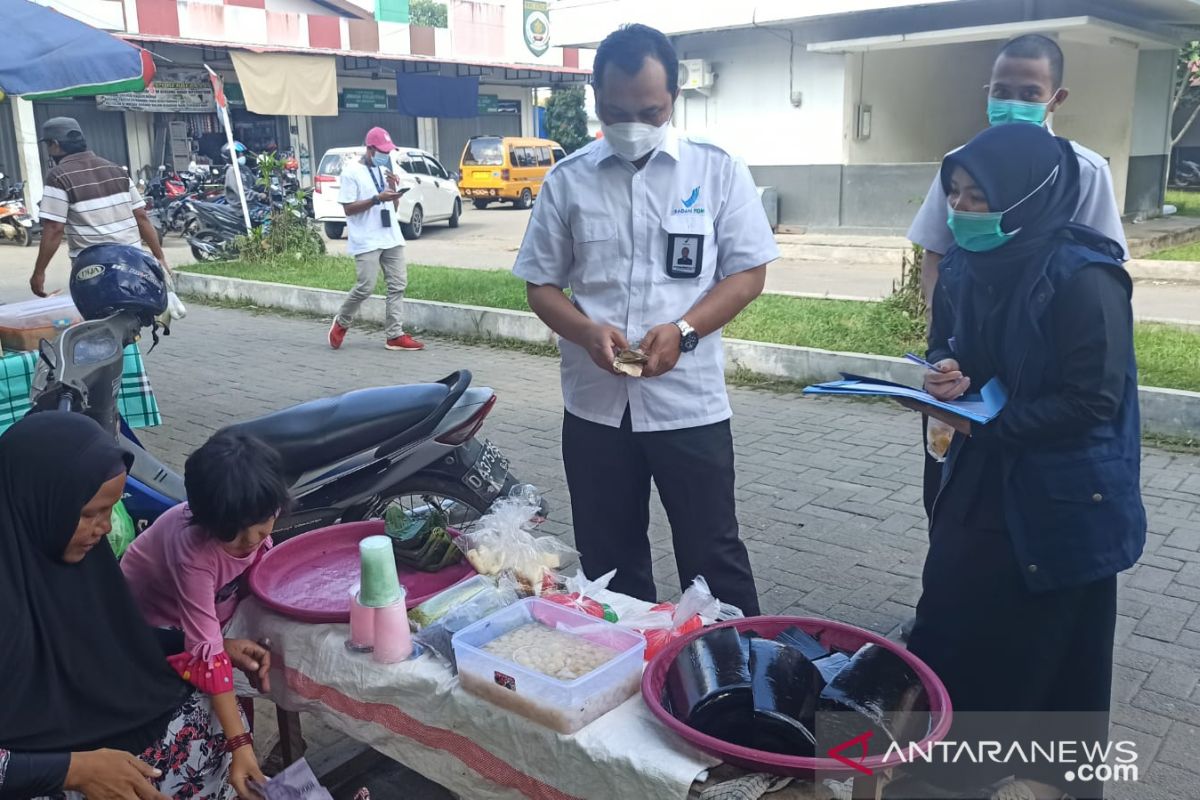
(1073, 509)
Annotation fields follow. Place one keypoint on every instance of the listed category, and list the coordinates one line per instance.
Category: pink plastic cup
(362, 626)
(393, 639)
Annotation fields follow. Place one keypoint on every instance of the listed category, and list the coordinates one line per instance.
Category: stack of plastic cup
(393, 638)
(378, 613)
(362, 625)
(380, 583)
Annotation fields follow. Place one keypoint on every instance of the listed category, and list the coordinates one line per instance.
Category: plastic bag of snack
(667, 621)
(447, 600)
(581, 594)
(437, 637)
(938, 436)
(502, 541)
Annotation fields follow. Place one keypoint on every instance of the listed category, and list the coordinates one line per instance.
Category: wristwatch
(690, 338)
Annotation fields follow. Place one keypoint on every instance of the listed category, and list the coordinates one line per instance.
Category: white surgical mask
(241, 161)
(633, 140)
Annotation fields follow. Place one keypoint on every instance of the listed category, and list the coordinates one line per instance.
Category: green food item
(435, 553)
(406, 531)
(122, 533)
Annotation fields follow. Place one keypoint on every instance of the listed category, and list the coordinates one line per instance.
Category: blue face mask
(1002, 111)
(979, 231)
(382, 160)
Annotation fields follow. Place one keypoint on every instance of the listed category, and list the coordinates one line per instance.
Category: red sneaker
(337, 335)
(404, 342)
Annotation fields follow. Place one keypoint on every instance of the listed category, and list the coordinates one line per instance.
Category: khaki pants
(395, 274)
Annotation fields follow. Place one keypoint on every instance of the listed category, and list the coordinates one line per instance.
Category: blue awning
(422, 95)
(49, 53)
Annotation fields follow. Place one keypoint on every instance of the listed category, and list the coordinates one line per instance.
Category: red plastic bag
(579, 596)
(666, 622)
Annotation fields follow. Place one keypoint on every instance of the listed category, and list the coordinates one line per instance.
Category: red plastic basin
(836, 635)
(309, 577)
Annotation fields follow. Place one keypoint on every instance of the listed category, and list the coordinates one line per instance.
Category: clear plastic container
(563, 706)
(24, 324)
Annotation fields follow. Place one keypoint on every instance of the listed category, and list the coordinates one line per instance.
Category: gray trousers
(395, 274)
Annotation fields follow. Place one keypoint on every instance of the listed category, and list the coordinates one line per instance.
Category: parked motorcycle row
(16, 225)
(192, 204)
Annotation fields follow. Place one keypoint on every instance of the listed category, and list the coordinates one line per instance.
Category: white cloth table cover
(416, 713)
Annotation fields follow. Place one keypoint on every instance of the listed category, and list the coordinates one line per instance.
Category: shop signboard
(363, 99)
(173, 90)
(536, 25)
(492, 104)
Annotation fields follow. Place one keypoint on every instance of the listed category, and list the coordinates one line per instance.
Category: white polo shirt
(365, 230)
(614, 235)
(1097, 206)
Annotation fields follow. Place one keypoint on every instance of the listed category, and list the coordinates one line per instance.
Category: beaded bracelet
(238, 741)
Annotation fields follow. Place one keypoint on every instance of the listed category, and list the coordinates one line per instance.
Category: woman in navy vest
(1041, 508)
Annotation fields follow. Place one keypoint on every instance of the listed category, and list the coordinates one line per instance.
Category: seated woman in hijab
(1040, 508)
(89, 703)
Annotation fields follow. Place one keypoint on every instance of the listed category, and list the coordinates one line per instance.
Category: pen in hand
(916, 359)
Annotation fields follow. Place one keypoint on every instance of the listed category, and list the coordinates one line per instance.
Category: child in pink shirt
(185, 572)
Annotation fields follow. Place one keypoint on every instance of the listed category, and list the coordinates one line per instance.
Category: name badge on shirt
(685, 255)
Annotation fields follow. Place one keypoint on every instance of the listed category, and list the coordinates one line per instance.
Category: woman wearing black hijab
(1041, 508)
(85, 686)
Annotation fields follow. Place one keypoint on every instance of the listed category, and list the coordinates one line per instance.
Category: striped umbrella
(52, 55)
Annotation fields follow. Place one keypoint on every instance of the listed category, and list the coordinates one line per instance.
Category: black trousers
(608, 474)
(1018, 664)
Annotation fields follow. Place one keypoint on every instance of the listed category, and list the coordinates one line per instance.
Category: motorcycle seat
(323, 432)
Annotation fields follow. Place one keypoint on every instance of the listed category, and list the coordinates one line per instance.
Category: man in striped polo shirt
(88, 199)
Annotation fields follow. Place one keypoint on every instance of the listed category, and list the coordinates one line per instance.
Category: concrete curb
(1169, 412)
(1144, 269)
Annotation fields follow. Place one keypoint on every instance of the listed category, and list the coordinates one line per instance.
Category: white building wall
(1098, 112)
(920, 109)
(1151, 135)
(749, 109)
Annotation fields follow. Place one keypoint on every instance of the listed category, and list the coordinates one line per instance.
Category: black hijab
(1020, 164)
(80, 668)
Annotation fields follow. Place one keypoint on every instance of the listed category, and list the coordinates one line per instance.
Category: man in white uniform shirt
(610, 225)
(370, 197)
(1026, 86)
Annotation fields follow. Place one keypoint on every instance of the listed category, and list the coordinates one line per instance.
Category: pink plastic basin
(835, 635)
(309, 577)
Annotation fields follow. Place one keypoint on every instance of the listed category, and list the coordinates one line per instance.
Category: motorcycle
(219, 224)
(348, 457)
(16, 225)
(1187, 174)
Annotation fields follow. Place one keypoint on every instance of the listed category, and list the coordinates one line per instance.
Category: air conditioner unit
(695, 73)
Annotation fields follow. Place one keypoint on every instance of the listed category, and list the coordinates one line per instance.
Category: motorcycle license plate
(489, 471)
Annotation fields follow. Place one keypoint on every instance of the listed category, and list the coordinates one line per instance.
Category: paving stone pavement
(829, 498)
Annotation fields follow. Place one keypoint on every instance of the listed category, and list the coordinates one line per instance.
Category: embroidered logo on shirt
(689, 204)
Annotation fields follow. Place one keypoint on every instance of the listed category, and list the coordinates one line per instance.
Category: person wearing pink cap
(370, 196)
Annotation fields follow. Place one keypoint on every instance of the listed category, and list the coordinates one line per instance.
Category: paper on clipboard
(981, 407)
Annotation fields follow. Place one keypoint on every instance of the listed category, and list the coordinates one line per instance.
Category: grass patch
(1183, 252)
(1168, 356)
(1188, 205)
(1186, 202)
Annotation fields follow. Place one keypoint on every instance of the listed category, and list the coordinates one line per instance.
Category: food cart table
(416, 713)
(135, 401)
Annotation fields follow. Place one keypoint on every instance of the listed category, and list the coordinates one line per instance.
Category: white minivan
(432, 196)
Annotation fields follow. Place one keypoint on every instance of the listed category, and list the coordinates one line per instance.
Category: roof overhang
(523, 74)
(1086, 30)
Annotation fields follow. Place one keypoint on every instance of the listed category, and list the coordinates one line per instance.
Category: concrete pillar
(139, 138)
(302, 145)
(1149, 151)
(427, 135)
(28, 152)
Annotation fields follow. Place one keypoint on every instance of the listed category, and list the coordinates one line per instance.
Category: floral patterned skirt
(191, 755)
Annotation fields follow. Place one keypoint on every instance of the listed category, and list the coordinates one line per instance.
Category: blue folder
(980, 407)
